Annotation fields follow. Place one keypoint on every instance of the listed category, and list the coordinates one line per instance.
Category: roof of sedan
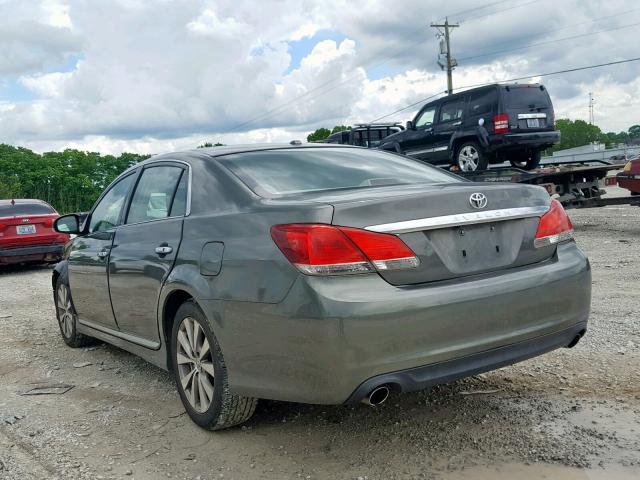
(21, 201)
(255, 147)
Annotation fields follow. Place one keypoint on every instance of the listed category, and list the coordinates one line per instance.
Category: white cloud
(161, 75)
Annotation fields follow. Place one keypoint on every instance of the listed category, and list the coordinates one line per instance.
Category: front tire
(201, 374)
(67, 318)
(470, 158)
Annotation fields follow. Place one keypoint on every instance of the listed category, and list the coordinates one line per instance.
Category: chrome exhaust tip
(377, 396)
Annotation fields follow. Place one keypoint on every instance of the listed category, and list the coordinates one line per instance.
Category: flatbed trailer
(574, 184)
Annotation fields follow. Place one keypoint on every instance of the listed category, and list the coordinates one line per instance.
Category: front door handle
(164, 250)
(103, 253)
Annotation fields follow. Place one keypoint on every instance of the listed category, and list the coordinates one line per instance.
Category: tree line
(70, 181)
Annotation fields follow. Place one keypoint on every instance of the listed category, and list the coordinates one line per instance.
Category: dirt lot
(571, 414)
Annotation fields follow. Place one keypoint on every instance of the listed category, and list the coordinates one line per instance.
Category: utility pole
(445, 50)
(591, 119)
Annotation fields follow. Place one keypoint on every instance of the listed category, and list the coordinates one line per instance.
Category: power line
(499, 11)
(408, 106)
(569, 70)
(573, 37)
(320, 87)
(474, 9)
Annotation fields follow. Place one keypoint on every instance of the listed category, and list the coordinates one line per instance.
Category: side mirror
(410, 125)
(67, 224)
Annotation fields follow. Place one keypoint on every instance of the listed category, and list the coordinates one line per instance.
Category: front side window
(451, 111)
(154, 194)
(426, 118)
(107, 213)
(273, 173)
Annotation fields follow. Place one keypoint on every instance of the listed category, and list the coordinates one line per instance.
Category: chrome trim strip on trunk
(459, 219)
(524, 116)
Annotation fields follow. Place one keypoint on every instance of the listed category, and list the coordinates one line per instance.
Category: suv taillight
(319, 249)
(501, 123)
(554, 227)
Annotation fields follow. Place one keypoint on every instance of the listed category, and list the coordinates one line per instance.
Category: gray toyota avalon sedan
(317, 273)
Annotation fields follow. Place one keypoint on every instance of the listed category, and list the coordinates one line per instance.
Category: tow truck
(576, 184)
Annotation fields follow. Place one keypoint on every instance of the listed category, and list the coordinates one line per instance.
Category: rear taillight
(501, 123)
(554, 227)
(2, 226)
(318, 249)
(48, 222)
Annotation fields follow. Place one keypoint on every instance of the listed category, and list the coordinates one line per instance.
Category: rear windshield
(20, 209)
(530, 97)
(283, 172)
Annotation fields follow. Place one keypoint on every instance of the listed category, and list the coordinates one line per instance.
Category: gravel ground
(570, 414)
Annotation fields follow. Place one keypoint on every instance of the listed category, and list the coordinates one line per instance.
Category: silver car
(317, 273)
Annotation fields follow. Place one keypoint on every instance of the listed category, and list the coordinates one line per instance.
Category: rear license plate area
(25, 229)
(534, 123)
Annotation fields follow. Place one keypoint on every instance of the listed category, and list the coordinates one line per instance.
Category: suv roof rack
(380, 124)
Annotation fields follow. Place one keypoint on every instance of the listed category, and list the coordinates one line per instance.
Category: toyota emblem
(478, 200)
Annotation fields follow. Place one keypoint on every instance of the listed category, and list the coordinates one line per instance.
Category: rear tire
(67, 317)
(470, 158)
(201, 374)
(527, 161)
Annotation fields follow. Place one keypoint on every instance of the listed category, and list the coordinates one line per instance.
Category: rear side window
(281, 172)
(451, 111)
(481, 103)
(154, 194)
(23, 209)
(525, 97)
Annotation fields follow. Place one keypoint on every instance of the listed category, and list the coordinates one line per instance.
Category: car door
(89, 256)
(419, 140)
(448, 121)
(145, 248)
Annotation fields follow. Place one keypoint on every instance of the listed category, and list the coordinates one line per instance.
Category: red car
(27, 234)
(629, 177)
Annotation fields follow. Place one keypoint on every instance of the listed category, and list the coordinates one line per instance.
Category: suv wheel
(470, 158)
(201, 374)
(67, 318)
(527, 161)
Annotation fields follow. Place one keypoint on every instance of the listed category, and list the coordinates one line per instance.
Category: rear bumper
(423, 377)
(534, 140)
(33, 252)
(629, 181)
(332, 335)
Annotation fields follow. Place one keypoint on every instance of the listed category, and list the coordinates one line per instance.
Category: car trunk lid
(450, 237)
(27, 229)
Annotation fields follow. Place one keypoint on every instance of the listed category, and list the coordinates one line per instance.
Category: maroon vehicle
(27, 234)
(629, 177)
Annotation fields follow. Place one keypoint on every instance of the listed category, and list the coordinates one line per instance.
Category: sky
(154, 76)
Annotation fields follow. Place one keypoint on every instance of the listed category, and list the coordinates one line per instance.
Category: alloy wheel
(66, 317)
(195, 364)
(468, 158)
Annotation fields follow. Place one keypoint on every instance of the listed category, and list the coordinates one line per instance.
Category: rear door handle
(164, 249)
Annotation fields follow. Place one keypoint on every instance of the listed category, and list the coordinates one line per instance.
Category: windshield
(21, 209)
(281, 172)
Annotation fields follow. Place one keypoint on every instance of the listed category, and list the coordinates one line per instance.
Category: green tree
(634, 132)
(340, 128)
(209, 144)
(71, 180)
(576, 133)
(320, 134)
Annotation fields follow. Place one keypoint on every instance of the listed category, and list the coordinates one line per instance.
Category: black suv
(368, 135)
(490, 124)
